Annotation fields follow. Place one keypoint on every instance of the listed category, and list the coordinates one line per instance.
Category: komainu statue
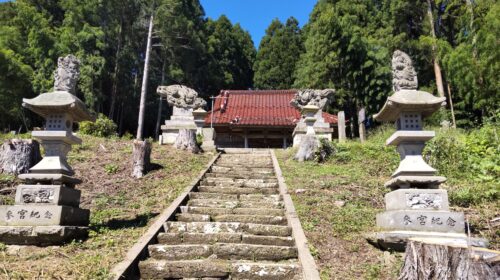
(403, 73)
(181, 96)
(67, 73)
(315, 97)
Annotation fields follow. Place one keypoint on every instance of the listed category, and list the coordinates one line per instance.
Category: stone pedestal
(321, 129)
(46, 210)
(180, 119)
(208, 139)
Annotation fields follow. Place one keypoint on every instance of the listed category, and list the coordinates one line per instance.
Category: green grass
(356, 173)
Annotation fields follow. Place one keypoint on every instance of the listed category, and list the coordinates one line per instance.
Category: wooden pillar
(341, 126)
(246, 139)
(284, 140)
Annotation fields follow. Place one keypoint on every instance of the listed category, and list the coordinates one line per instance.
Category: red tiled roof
(258, 108)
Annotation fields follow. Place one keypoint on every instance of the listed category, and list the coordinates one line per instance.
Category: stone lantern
(46, 210)
(199, 119)
(309, 112)
(415, 207)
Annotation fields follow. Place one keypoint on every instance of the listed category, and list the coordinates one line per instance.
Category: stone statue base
(397, 240)
(208, 139)
(41, 235)
(181, 119)
(418, 212)
(46, 212)
(320, 132)
(321, 129)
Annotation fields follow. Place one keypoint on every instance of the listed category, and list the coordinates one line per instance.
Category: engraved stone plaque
(424, 200)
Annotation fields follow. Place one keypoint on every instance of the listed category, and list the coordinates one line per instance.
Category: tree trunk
(142, 106)
(437, 261)
(114, 89)
(186, 140)
(453, 121)
(141, 156)
(19, 155)
(307, 148)
(437, 68)
(160, 103)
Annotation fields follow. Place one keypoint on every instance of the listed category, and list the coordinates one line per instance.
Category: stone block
(396, 240)
(417, 199)
(43, 215)
(41, 235)
(47, 195)
(422, 220)
(401, 136)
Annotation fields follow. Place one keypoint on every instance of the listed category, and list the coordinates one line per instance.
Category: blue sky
(256, 15)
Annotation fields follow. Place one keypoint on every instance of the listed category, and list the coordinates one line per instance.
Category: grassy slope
(121, 209)
(356, 175)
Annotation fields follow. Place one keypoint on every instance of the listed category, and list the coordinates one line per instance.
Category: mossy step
(227, 227)
(238, 190)
(227, 251)
(256, 219)
(235, 203)
(240, 197)
(232, 168)
(248, 175)
(242, 184)
(237, 270)
(211, 238)
(188, 217)
(214, 211)
(232, 180)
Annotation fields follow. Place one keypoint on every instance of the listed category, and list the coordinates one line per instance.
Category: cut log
(186, 140)
(426, 259)
(17, 156)
(141, 157)
(308, 147)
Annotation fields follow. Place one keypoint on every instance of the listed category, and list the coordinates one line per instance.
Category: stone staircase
(233, 227)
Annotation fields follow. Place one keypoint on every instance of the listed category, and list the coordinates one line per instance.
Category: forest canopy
(346, 45)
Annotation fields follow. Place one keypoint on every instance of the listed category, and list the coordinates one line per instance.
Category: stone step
(227, 227)
(225, 169)
(232, 180)
(248, 175)
(180, 251)
(211, 238)
(227, 251)
(241, 184)
(214, 211)
(188, 217)
(237, 190)
(241, 197)
(255, 219)
(161, 269)
(235, 203)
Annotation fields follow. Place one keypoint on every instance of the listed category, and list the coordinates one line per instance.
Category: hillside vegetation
(121, 208)
(355, 175)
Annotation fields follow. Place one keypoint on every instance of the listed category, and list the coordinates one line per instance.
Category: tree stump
(141, 157)
(429, 260)
(19, 155)
(307, 148)
(186, 140)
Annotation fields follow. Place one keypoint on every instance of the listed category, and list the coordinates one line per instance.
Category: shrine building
(256, 118)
